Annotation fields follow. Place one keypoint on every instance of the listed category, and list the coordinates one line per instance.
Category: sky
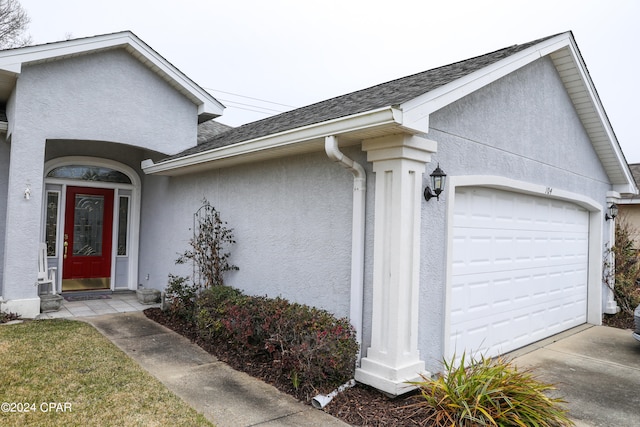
(261, 57)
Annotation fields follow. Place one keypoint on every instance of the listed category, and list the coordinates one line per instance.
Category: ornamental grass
(488, 392)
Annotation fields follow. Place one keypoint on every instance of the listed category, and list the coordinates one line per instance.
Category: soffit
(591, 114)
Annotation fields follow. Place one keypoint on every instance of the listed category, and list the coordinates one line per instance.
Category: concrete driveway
(596, 370)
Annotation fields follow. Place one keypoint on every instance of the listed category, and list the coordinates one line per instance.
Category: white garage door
(520, 266)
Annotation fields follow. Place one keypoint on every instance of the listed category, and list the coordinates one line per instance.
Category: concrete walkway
(227, 398)
(596, 370)
(116, 302)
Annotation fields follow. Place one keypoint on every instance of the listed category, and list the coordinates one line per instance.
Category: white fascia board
(16, 57)
(629, 185)
(631, 201)
(369, 119)
(418, 109)
(13, 59)
(207, 104)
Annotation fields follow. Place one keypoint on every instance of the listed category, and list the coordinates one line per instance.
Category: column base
(389, 380)
(27, 308)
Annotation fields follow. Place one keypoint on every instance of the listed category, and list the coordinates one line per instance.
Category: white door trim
(596, 217)
(134, 208)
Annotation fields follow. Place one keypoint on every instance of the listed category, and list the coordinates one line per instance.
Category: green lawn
(65, 373)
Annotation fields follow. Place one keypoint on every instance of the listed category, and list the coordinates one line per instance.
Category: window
(51, 227)
(89, 173)
(123, 225)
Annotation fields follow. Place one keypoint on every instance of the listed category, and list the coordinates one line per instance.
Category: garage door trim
(596, 218)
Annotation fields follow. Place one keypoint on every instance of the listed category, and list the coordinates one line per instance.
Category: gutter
(357, 235)
(294, 139)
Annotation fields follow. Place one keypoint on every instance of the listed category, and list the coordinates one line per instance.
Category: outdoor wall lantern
(612, 212)
(438, 178)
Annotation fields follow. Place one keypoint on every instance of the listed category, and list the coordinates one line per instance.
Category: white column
(611, 307)
(22, 233)
(393, 358)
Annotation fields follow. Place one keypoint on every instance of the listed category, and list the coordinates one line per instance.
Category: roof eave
(603, 138)
(304, 139)
(421, 107)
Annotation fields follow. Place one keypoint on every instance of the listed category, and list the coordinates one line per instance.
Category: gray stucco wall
(4, 170)
(291, 219)
(108, 97)
(523, 127)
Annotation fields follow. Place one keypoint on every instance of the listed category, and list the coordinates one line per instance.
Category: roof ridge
(404, 77)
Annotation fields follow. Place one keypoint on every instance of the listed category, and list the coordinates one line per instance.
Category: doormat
(71, 298)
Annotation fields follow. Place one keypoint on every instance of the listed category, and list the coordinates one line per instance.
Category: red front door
(86, 252)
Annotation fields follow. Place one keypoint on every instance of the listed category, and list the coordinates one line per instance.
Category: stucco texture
(109, 97)
(4, 170)
(291, 219)
(522, 127)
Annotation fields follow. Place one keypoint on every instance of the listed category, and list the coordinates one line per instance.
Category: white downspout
(357, 233)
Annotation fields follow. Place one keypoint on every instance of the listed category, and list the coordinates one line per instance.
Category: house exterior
(115, 149)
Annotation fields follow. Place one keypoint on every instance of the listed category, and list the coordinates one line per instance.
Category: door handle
(66, 244)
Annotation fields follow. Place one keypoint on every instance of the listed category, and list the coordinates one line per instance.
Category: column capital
(399, 146)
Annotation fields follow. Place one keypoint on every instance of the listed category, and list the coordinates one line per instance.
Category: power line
(249, 109)
(249, 97)
(249, 105)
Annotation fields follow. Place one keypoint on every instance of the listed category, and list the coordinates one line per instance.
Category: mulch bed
(621, 320)
(357, 406)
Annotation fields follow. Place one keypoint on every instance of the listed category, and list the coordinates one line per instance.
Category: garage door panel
(499, 333)
(485, 294)
(520, 269)
(518, 212)
(474, 251)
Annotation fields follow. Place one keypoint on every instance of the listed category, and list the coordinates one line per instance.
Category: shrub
(208, 250)
(8, 317)
(182, 296)
(210, 262)
(488, 393)
(313, 348)
(622, 276)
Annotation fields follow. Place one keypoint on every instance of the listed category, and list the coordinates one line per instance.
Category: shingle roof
(383, 95)
(209, 129)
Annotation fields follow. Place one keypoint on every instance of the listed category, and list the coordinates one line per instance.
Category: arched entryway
(90, 223)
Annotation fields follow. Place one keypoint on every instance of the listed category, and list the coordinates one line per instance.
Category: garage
(519, 271)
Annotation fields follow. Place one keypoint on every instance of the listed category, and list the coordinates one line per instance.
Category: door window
(89, 173)
(88, 225)
(51, 227)
(123, 225)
